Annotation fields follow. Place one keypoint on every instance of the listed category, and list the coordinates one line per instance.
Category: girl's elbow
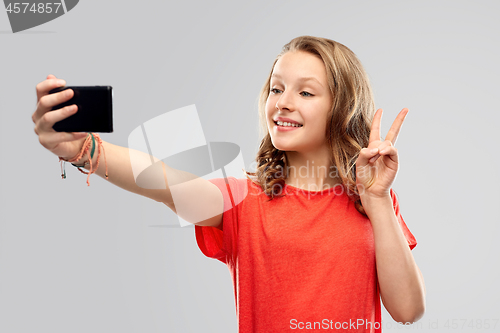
(410, 316)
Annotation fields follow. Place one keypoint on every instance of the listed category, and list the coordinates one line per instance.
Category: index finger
(375, 130)
(44, 87)
(396, 126)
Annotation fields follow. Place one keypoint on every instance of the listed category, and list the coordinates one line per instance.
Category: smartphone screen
(95, 110)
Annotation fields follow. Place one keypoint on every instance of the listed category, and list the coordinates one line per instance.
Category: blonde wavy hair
(349, 119)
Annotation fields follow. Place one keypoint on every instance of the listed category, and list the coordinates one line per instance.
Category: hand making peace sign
(374, 175)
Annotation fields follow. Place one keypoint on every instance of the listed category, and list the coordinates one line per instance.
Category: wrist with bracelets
(85, 150)
(91, 153)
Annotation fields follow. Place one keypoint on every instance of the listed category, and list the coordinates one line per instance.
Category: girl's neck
(312, 172)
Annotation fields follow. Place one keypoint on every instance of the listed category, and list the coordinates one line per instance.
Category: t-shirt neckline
(324, 191)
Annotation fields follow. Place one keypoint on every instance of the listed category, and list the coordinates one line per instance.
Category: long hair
(348, 124)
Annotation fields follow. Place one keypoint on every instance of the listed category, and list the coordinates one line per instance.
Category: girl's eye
(304, 93)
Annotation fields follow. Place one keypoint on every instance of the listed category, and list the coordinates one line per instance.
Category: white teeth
(288, 124)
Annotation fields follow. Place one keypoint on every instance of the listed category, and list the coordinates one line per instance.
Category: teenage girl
(314, 238)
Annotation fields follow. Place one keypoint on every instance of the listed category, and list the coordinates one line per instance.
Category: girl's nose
(285, 102)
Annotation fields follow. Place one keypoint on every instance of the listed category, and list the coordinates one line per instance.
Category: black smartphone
(95, 110)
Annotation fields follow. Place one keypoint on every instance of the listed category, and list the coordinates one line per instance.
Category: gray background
(99, 259)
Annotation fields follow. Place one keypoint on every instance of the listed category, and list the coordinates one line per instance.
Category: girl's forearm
(120, 173)
(401, 284)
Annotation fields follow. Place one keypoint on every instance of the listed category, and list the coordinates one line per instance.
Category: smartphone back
(95, 110)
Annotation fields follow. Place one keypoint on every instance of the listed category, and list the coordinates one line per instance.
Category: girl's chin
(284, 147)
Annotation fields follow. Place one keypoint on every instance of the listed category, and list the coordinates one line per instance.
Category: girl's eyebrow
(300, 78)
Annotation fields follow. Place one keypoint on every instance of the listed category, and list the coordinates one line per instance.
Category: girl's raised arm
(196, 200)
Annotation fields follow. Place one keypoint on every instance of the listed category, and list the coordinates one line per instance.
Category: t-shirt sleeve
(412, 242)
(222, 244)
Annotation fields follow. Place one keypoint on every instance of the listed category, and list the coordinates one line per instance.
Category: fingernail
(374, 150)
(61, 82)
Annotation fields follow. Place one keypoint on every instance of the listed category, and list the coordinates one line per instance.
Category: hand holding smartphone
(95, 110)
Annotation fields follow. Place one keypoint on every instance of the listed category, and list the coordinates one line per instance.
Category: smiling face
(299, 91)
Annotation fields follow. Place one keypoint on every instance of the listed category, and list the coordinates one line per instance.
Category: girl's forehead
(299, 64)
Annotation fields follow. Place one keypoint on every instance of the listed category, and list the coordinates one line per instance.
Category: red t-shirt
(305, 261)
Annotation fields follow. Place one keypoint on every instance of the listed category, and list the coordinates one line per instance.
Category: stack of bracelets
(85, 149)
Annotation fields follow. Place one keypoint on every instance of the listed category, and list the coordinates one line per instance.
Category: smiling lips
(285, 126)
